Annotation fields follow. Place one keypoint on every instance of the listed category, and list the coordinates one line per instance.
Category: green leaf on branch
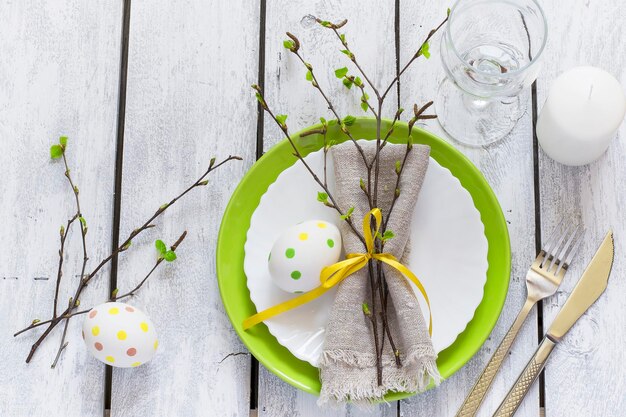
(388, 235)
(281, 119)
(56, 151)
(425, 50)
(63, 141)
(289, 44)
(83, 221)
(448, 11)
(398, 167)
(322, 197)
(341, 72)
(309, 76)
(114, 293)
(36, 321)
(343, 37)
(366, 309)
(346, 52)
(323, 121)
(348, 214)
(160, 246)
(364, 99)
(358, 81)
(169, 256)
(349, 120)
(348, 83)
(325, 23)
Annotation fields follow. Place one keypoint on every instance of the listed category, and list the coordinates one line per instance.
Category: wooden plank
(585, 375)
(370, 33)
(191, 64)
(508, 167)
(59, 76)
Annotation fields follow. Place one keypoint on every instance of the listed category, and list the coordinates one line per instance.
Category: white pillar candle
(584, 109)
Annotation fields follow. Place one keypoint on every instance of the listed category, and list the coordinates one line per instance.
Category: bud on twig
(362, 184)
(366, 309)
(296, 43)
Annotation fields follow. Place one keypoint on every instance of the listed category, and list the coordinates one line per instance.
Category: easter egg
(120, 335)
(300, 253)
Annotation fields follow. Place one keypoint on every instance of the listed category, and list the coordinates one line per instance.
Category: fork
(542, 280)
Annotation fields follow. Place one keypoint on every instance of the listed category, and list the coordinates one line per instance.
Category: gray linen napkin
(348, 365)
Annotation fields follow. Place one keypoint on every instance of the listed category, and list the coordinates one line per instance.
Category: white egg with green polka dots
(120, 335)
(300, 253)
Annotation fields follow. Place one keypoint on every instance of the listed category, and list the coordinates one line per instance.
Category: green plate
(245, 199)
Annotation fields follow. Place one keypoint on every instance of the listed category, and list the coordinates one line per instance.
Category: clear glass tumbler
(491, 51)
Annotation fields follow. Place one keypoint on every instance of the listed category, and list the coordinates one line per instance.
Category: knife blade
(589, 288)
(591, 285)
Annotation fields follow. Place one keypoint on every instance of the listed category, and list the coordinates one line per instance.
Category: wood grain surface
(586, 375)
(188, 100)
(508, 168)
(58, 76)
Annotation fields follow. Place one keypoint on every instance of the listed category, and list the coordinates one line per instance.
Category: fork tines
(561, 246)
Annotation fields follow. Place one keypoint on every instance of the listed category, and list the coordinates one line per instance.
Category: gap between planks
(254, 364)
(117, 194)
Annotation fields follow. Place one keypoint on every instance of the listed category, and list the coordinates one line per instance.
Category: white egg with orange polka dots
(120, 335)
(300, 253)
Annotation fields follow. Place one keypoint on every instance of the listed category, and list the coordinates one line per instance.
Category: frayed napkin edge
(367, 394)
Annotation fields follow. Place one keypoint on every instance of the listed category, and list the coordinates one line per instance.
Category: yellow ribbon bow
(334, 274)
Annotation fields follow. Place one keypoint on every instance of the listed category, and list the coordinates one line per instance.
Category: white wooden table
(147, 92)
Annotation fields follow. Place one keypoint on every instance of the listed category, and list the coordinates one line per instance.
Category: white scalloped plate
(448, 253)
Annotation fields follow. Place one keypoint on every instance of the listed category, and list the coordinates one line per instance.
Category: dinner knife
(588, 289)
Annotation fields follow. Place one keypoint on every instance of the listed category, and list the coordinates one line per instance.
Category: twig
(383, 292)
(62, 346)
(75, 301)
(298, 155)
(156, 265)
(63, 232)
(353, 58)
(393, 124)
(316, 84)
(377, 157)
(67, 314)
(397, 191)
(41, 323)
(414, 57)
(325, 157)
(360, 85)
(374, 319)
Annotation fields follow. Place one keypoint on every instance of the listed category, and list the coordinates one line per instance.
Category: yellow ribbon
(334, 274)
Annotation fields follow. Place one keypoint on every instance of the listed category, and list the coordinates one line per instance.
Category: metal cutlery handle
(517, 393)
(479, 391)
